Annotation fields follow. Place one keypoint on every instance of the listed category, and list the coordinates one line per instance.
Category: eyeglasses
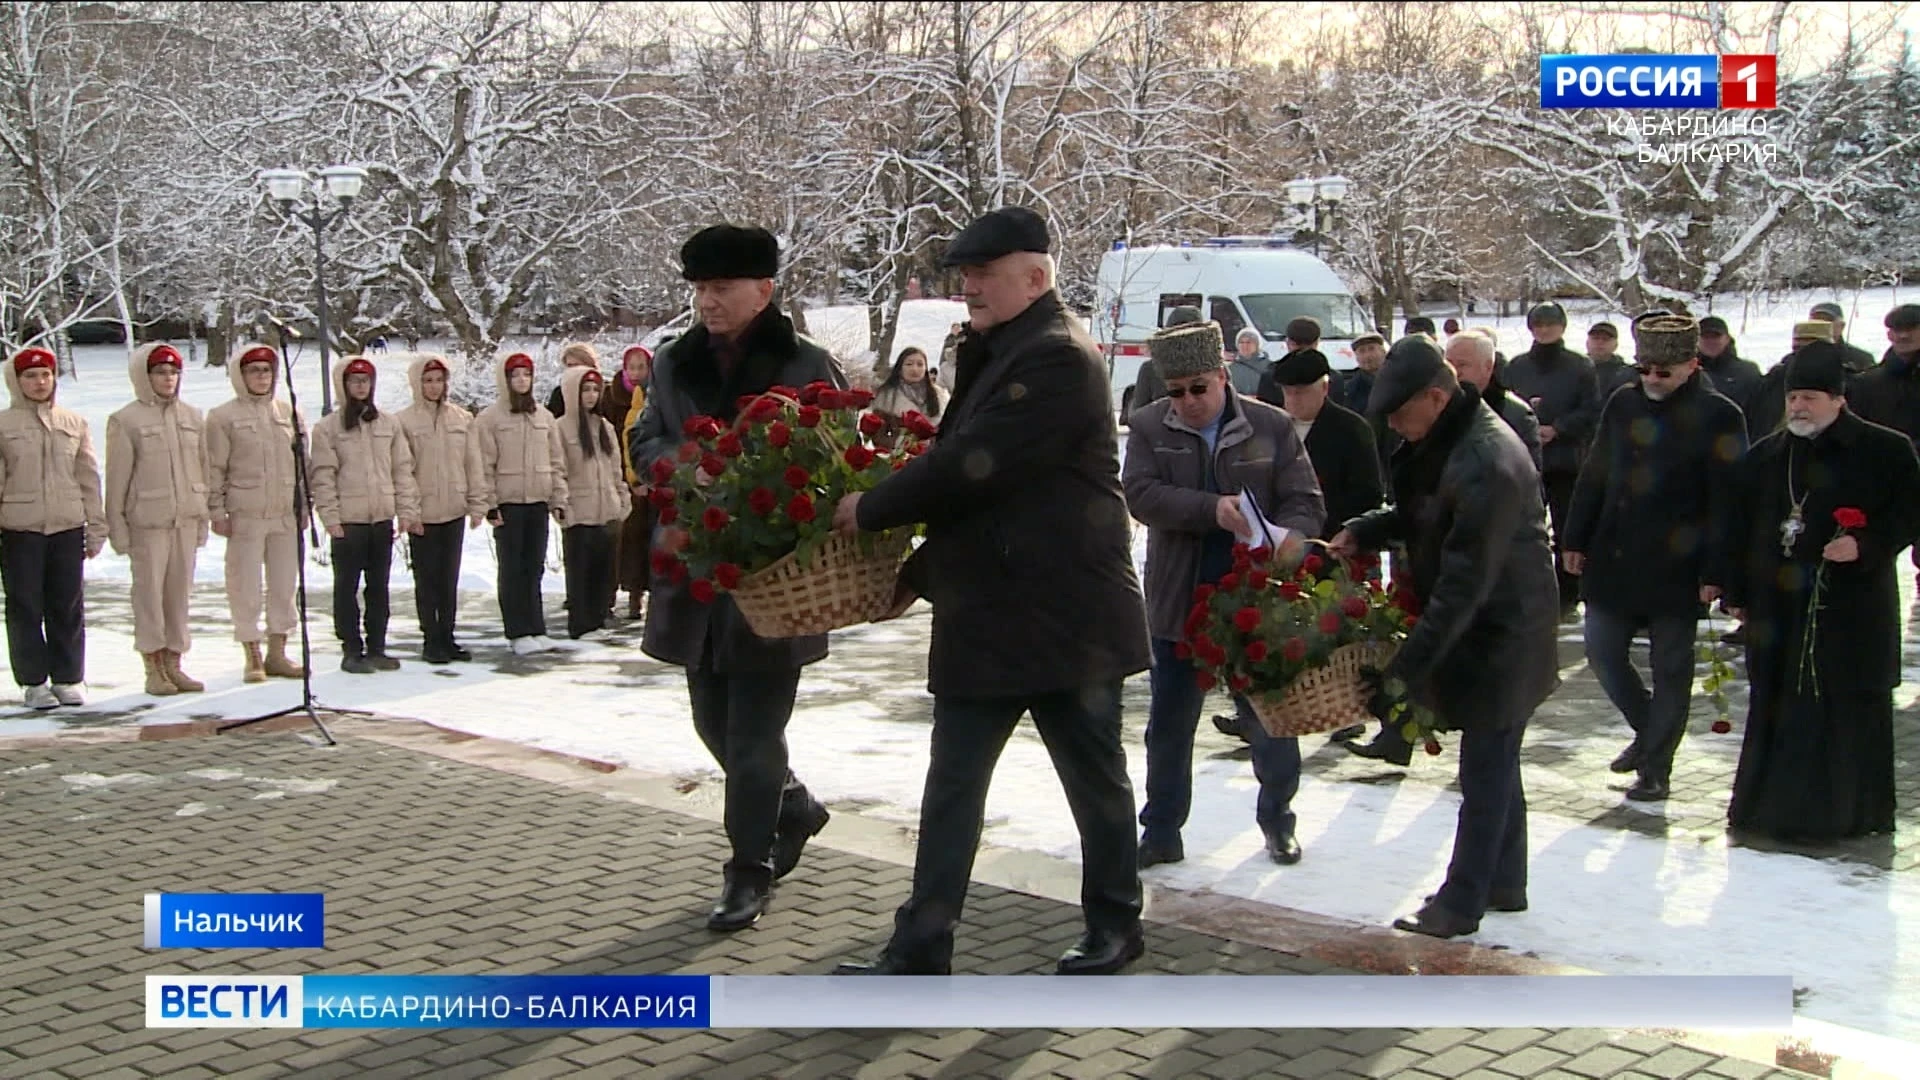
(1198, 389)
(1655, 370)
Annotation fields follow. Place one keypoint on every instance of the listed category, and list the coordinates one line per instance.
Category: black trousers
(1658, 716)
(366, 550)
(435, 555)
(521, 551)
(1490, 837)
(1558, 488)
(742, 719)
(46, 608)
(588, 553)
(1081, 730)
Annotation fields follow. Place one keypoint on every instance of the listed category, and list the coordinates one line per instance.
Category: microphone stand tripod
(303, 517)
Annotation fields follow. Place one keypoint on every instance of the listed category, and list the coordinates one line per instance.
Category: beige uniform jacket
(49, 476)
(446, 456)
(596, 488)
(250, 466)
(521, 457)
(156, 461)
(363, 476)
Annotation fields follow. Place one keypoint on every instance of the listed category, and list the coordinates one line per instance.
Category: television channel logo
(1651, 81)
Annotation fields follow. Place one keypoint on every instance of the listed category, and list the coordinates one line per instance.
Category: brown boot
(185, 683)
(256, 670)
(157, 682)
(278, 664)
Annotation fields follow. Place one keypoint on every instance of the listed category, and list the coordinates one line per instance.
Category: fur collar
(769, 343)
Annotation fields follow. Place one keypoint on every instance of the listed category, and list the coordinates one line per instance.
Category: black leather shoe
(1436, 921)
(1348, 734)
(889, 964)
(740, 907)
(1628, 761)
(1156, 852)
(458, 653)
(381, 661)
(1646, 790)
(1102, 952)
(792, 836)
(1283, 848)
(436, 655)
(356, 664)
(1504, 902)
(1228, 724)
(1392, 751)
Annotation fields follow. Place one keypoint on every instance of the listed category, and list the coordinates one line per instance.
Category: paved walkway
(434, 864)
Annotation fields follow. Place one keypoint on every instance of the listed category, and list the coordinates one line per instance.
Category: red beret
(28, 359)
(165, 354)
(359, 365)
(259, 354)
(519, 360)
(592, 376)
(434, 363)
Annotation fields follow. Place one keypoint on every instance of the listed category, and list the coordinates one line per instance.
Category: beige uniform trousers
(162, 581)
(249, 550)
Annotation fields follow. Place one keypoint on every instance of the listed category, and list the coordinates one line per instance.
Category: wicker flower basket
(1326, 698)
(844, 587)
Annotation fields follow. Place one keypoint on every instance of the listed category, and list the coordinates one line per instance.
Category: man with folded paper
(1207, 468)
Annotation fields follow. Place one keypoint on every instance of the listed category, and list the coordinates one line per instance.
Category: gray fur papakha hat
(1665, 340)
(1181, 352)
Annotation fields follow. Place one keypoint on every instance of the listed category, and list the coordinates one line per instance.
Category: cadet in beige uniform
(362, 477)
(250, 496)
(597, 498)
(51, 521)
(524, 472)
(446, 469)
(157, 509)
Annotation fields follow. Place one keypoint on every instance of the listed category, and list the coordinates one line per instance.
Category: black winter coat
(1468, 508)
(1651, 503)
(1028, 557)
(687, 383)
(1560, 386)
(1737, 380)
(1889, 395)
(1611, 374)
(1347, 461)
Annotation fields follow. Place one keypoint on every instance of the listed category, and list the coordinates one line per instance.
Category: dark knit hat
(998, 233)
(1302, 367)
(1411, 366)
(1181, 352)
(730, 251)
(1547, 314)
(1665, 340)
(1821, 365)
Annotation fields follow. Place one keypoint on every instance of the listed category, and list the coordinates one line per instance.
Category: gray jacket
(1258, 449)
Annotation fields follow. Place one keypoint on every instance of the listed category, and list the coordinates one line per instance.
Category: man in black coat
(1559, 385)
(1036, 607)
(1339, 441)
(741, 686)
(1466, 506)
(1645, 516)
(1735, 379)
(1858, 360)
(1817, 760)
(1610, 371)
(1889, 394)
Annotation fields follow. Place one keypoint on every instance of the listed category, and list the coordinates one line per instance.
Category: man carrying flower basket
(1189, 455)
(742, 686)
(1822, 508)
(1467, 508)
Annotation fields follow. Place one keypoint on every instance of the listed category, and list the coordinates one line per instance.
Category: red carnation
(1294, 650)
(872, 424)
(762, 501)
(796, 477)
(1246, 620)
(1182, 651)
(1289, 590)
(660, 497)
(800, 509)
(858, 456)
(1329, 622)
(810, 394)
(714, 519)
(1848, 517)
(1256, 652)
(688, 453)
(712, 464)
(1311, 564)
(809, 416)
(1202, 593)
(726, 574)
(1229, 581)
(728, 445)
(1256, 579)
(661, 470)
(669, 514)
(1721, 727)
(779, 434)
(1204, 680)
(1355, 607)
(1239, 683)
(702, 590)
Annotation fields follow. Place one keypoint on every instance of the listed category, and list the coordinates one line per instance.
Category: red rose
(1256, 652)
(1202, 593)
(918, 448)
(677, 573)
(728, 445)
(796, 477)
(1240, 550)
(714, 519)
(1721, 727)
(858, 456)
(1259, 555)
(810, 394)
(762, 501)
(702, 590)
(660, 497)
(1229, 581)
(921, 427)
(787, 392)
(1239, 683)
(1256, 579)
(1204, 680)
(662, 562)
(1294, 650)
(1202, 644)
(1289, 590)
(800, 509)
(1216, 656)
(1311, 565)
(763, 409)
(872, 424)
(1412, 621)
(712, 464)
(809, 416)
(1848, 517)
(1240, 560)
(779, 434)
(701, 427)
(830, 399)
(1403, 598)
(858, 398)
(1246, 620)
(688, 453)
(669, 514)
(1433, 746)
(1329, 622)
(1355, 607)
(661, 470)
(1182, 651)
(726, 575)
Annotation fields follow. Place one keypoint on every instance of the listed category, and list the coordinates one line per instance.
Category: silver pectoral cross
(1790, 531)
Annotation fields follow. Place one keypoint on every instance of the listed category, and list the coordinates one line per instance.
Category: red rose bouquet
(1300, 645)
(749, 509)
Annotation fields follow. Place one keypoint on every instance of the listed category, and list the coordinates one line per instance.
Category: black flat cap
(1302, 367)
(1420, 324)
(1818, 365)
(1904, 317)
(1713, 324)
(729, 251)
(997, 233)
(1547, 314)
(1411, 366)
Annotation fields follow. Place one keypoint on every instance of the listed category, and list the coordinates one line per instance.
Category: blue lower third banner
(1763, 1002)
(236, 921)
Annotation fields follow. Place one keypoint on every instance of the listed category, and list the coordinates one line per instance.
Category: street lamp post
(287, 187)
(1310, 195)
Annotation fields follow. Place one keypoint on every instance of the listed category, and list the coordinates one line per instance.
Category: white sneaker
(70, 693)
(526, 646)
(41, 697)
(547, 644)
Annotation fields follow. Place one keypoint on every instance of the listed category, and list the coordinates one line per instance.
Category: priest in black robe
(1817, 761)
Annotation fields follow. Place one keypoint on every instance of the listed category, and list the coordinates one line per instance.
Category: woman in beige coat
(523, 472)
(362, 478)
(51, 521)
(597, 499)
(157, 509)
(446, 469)
(251, 480)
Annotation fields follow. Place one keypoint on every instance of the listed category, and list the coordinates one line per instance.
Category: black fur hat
(730, 251)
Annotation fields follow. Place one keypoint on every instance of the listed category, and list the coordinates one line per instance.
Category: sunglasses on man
(1198, 389)
(1657, 371)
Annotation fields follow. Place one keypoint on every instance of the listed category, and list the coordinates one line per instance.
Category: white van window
(1339, 317)
(1169, 301)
